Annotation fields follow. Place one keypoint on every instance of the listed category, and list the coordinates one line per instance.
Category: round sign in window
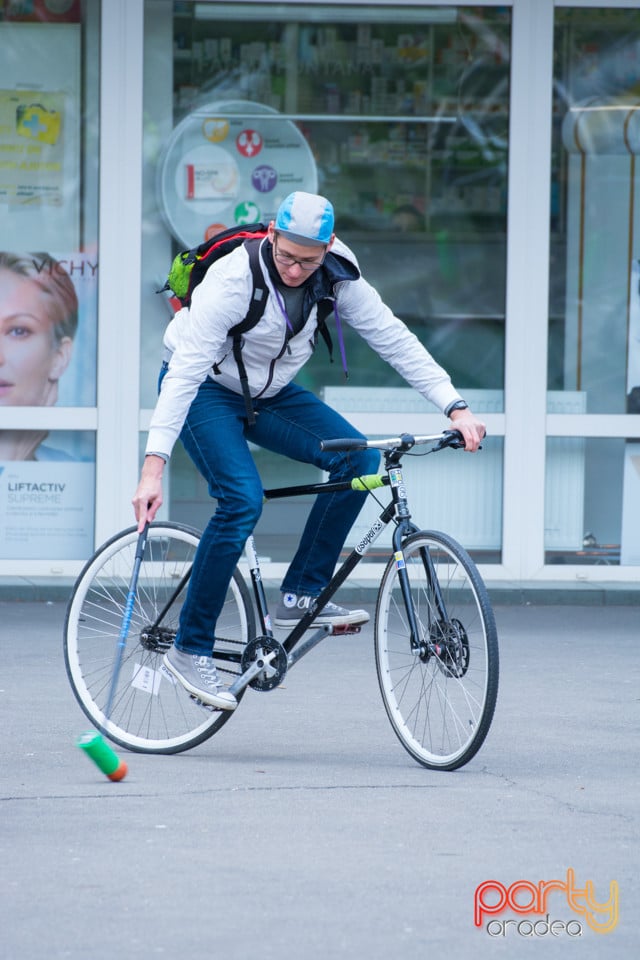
(230, 163)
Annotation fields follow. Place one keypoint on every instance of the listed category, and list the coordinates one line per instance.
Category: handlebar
(447, 438)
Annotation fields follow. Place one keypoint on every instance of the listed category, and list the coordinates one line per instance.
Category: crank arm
(308, 644)
(251, 672)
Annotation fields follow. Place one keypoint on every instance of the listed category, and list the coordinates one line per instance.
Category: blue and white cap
(306, 218)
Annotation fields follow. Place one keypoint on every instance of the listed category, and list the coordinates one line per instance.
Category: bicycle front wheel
(439, 692)
(150, 712)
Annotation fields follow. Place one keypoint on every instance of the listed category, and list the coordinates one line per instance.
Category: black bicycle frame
(396, 510)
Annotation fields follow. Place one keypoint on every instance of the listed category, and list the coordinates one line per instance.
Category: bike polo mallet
(93, 743)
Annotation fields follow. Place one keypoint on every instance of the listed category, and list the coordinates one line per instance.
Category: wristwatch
(456, 405)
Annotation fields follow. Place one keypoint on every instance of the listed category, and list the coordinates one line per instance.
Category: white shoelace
(209, 674)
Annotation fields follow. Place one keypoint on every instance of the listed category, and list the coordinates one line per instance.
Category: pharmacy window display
(48, 276)
(399, 114)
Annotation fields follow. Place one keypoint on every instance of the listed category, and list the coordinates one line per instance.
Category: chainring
(274, 672)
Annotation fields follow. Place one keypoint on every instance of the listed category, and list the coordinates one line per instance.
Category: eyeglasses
(288, 261)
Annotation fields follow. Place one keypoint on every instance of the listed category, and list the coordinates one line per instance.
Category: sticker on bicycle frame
(146, 679)
(252, 556)
(399, 558)
(395, 477)
(370, 537)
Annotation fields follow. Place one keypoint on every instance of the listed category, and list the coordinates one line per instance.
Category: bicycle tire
(440, 701)
(151, 712)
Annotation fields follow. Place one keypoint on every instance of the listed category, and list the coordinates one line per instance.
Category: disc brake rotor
(450, 644)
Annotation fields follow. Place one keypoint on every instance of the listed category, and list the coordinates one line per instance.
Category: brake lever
(450, 438)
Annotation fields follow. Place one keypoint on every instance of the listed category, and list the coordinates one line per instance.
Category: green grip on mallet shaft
(96, 747)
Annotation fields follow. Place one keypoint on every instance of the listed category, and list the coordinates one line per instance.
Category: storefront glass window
(398, 113)
(594, 310)
(49, 115)
(581, 525)
(46, 502)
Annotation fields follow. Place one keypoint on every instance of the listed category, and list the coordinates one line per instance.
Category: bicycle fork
(420, 636)
(404, 528)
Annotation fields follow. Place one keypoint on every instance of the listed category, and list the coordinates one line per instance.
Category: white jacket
(197, 339)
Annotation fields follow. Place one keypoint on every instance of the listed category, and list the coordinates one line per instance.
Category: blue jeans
(215, 436)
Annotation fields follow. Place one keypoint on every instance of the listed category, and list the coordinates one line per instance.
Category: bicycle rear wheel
(440, 698)
(151, 712)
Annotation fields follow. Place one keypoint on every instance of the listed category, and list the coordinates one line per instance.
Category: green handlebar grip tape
(370, 482)
(96, 747)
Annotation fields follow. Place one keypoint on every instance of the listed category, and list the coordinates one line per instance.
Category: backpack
(190, 266)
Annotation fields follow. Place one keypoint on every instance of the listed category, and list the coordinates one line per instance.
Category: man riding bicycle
(201, 401)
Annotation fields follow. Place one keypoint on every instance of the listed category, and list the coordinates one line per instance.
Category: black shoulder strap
(260, 291)
(325, 309)
(254, 314)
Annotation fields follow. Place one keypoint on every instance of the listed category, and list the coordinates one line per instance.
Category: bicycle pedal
(344, 628)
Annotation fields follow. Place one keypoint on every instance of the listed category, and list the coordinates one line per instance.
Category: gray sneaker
(292, 608)
(199, 676)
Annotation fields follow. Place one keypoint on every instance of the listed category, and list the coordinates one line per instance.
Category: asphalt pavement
(304, 831)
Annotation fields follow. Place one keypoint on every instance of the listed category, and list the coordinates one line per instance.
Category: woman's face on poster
(31, 358)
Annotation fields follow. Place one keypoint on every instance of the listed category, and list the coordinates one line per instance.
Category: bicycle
(435, 637)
